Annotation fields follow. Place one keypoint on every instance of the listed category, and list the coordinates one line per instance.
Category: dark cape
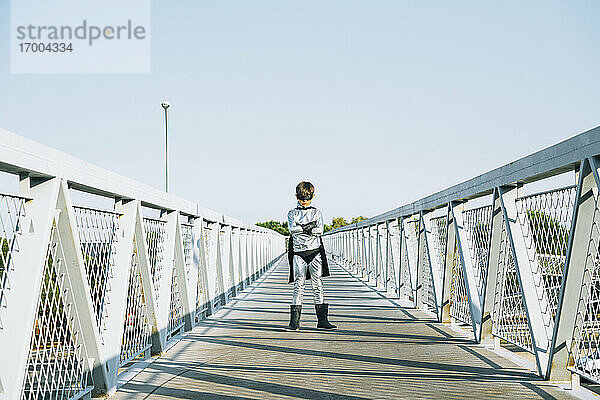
(324, 269)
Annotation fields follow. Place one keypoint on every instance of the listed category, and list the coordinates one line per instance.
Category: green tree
(358, 219)
(280, 227)
(338, 222)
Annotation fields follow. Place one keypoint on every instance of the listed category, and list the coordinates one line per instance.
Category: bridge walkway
(380, 351)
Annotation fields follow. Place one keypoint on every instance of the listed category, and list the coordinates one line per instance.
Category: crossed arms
(310, 228)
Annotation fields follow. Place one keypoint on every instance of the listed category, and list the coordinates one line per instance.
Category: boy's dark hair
(305, 191)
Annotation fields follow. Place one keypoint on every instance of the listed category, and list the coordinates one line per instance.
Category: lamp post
(166, 105)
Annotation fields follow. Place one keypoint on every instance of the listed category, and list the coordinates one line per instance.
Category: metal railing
(522, 270)
(136, 330)
(86, 292)
(12, 212)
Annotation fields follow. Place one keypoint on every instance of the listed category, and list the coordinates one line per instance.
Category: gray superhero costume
(307, 246)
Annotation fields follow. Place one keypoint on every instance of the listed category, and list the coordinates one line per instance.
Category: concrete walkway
(380, 351)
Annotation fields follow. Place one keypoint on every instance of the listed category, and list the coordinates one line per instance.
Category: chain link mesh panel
(356, 250)
(439, 234)
(175, 306)
(12, 212)
(188, 249)
(478, 222)
(406, 284)
(412, 247)
(155, 241)
(372, 232)
(459, 296)
(224, 247)
(545, 219)
(585, 343)
(235, 247)
(509, 319)
(97, 231)
(136, 331)
(394, 252)
(374, 258)
(188, 252)
(364, 242)
(244, 254)
(380, 271)
(57, 364)
(211, 253)
(427, 284)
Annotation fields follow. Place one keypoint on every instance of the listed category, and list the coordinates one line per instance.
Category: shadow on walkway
(380, 351)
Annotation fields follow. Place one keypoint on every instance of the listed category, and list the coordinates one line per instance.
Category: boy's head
(305, 192)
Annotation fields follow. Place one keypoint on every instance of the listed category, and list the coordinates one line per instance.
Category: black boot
(323, 323)
(295, 312)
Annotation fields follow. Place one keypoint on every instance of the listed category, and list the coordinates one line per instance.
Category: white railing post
(249, 264)
(208, 234)
(343, 249)
(377, 263)
(349, 251)
(388, 258)
(255, 255)
(406, 280)
(78, 290)
(369, 254)
(241, 259)
(577, 258)
(492, 273)
(360, 251)
(352, 245)
(157, 320)
(115, 322)
(447, 280)
(21, 301)
(231, 259)
(225, 261)
(411, 259)
(395, 239)
(244, 257)
(171, 218)
(263, 259)
(221, 293)
(236, 257)
(457, 210)
(363, 252)
(534, 300)
(420, 267)
(185, 281)
(433, 255)
(202, 272)
(251, 256)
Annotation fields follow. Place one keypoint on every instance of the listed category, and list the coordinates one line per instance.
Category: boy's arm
(318, 230)
(292, 225)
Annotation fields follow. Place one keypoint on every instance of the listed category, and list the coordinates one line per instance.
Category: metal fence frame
(46, 179)
(552, 334)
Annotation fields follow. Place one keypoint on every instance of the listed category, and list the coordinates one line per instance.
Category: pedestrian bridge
(381, 350)
(487, 289)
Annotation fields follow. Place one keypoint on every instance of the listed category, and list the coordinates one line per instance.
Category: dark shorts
(307, 255)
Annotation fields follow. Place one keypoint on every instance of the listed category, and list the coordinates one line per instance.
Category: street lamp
(166, 105)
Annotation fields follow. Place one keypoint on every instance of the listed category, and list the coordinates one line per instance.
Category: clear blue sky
(377, 102)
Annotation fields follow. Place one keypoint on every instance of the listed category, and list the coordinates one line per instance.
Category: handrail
(551, 161)
(22, 156)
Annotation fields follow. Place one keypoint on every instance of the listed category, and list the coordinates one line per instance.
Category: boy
(306, 256)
